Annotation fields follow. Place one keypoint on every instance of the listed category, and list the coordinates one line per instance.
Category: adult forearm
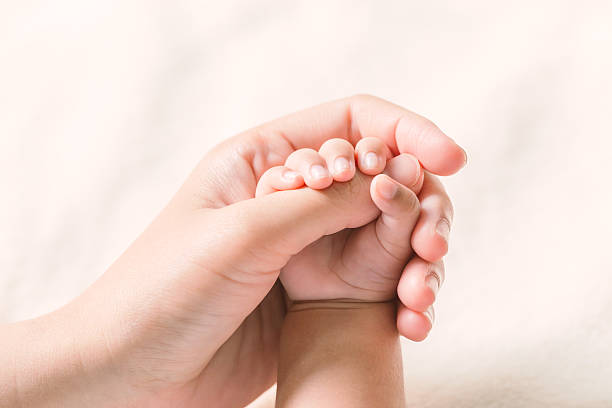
(340, 354)
(46, 364)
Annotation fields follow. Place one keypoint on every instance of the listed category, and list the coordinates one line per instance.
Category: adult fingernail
(319, 172)
(290, 175)
(433, 281)
(341, 164)
(430, 314)
(370, 160)
(386, 187)
(465, 156)
(443, 228)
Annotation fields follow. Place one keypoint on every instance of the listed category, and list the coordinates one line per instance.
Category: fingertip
(456, 159)
(437, 152)
(394, 199)
(339, 154)
(320, 184)
(406, 169)
(414, 289)
(319, 177)
(430, 238)
(419, 297)
(343, 169)
(278, 178)
(443, 156)
(419, 184)
(384, 187)
(312, 166)
(465, 156)
(428, 244)
(413, 325)
(292, 179)
(371, 163)
(371, 154)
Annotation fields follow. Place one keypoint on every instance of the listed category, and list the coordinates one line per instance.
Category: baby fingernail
(341, 164)
(386, 188)
(318, 172)
(370, 160)
(443, 228)
(290, 175)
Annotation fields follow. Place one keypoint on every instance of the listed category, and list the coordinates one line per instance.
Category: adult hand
(192, 309)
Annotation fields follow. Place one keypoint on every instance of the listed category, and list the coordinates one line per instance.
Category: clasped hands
(339, 203)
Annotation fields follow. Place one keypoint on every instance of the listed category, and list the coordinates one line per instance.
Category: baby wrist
(341, 304)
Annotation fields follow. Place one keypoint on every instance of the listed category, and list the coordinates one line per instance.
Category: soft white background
(106, 106)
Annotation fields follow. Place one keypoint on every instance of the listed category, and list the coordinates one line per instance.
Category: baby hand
(364, 262)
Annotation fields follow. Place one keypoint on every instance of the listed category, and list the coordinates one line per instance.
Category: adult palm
(210, 325)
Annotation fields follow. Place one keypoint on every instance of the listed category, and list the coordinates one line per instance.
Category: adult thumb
(268, 230)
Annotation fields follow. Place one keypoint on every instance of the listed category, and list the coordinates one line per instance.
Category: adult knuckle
(362, 97)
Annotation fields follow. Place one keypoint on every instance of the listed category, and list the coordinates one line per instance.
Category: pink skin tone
(366, 263)
(193, 305)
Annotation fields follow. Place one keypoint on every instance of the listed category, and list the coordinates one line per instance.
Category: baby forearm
(340, 354)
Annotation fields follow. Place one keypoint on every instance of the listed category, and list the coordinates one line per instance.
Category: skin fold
(339, 343)
(363, 262)
(191, 313)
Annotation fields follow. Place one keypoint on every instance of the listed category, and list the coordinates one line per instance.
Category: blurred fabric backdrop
(106, 106)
